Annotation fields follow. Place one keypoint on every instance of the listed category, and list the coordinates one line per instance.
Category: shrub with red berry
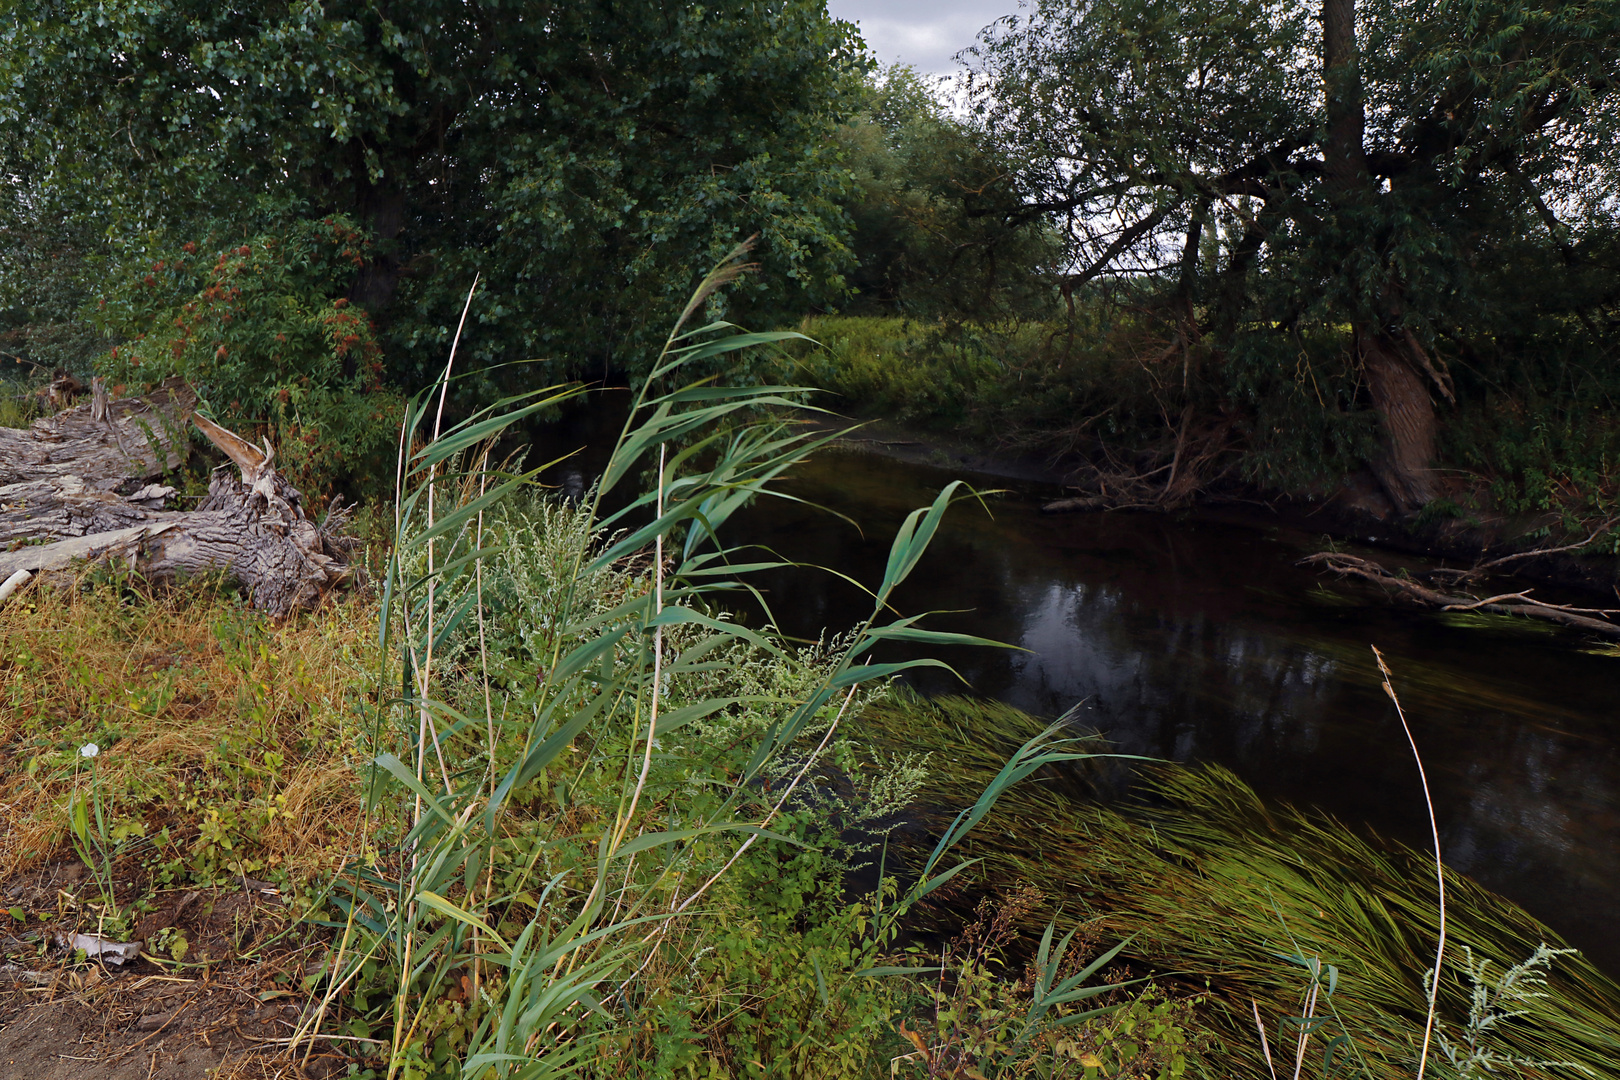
(263, 331)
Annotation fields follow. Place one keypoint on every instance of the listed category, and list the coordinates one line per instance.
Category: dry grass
(228, 741)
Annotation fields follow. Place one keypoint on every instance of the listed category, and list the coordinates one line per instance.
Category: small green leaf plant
(89, 817)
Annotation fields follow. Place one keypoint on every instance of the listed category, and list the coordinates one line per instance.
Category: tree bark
(1345, 156)
(1399, 394)
(1402, 400)
(67, 507)
(105, 444)
(382, 208)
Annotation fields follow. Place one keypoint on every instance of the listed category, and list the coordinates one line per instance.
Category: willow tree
(583, 156)
(1360, 166)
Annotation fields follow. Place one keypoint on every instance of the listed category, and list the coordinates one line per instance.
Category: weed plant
(610, 840)
(980, 1015)
(227, 742)
(19, 401)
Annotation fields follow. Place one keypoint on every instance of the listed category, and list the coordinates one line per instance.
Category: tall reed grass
(505, 917)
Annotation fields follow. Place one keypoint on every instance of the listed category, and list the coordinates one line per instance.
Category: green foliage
(977, 1018)
(1499, 999)
(20, 403)
(262, 331)
(1051, 387)
(1446, 194)
(1202, 126)
(770, 988)
(1496, 1001)
(937, 230)
(89, 820)
(44, 286)
(580, 156)
(1542, 455)
(885, 366)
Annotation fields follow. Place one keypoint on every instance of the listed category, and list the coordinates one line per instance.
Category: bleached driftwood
(104, 443)
(63, 480)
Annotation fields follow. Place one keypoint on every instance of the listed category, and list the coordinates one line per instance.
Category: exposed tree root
(1194, 460)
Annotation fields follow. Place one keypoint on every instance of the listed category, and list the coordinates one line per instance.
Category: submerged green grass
(1224, 892)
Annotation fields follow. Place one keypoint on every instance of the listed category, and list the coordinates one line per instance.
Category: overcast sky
(922, 33)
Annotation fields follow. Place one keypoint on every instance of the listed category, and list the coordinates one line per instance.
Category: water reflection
(1199, 641)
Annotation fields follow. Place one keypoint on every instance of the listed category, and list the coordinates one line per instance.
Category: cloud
(926, 35)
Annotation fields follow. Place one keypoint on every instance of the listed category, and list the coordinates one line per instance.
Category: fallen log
(105, 443)
(62, 504)
(1594, 620)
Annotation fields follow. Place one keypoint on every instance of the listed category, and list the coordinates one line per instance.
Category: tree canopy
(587, 158)
(1422, 181)
(934, 230)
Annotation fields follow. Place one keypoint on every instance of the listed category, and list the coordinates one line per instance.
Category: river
(1194, 639)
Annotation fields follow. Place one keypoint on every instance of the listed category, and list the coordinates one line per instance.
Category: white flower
(89, 749)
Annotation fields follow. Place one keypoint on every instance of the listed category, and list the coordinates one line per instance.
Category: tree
(929, 212)
(1360, 169)
(255, 330)
(584, 157)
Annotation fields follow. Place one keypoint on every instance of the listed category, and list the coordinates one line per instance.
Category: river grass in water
(1218, 888)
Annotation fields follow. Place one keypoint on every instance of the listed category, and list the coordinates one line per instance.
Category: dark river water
(1190, 639)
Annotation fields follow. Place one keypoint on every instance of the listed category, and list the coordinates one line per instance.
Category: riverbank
(1025, 402)
(1352, 512)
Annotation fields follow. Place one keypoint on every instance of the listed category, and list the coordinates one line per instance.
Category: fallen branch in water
(1194, 455)
(1519, 603)
(1478, 570)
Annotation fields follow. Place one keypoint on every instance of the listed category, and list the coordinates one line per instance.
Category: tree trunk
(1402, 399)
(1399, 393)
(382, 209)
(1345, 156)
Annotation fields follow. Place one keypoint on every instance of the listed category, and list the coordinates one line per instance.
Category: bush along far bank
(1113, 401)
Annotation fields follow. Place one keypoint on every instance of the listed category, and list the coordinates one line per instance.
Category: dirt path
(227, 1015)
